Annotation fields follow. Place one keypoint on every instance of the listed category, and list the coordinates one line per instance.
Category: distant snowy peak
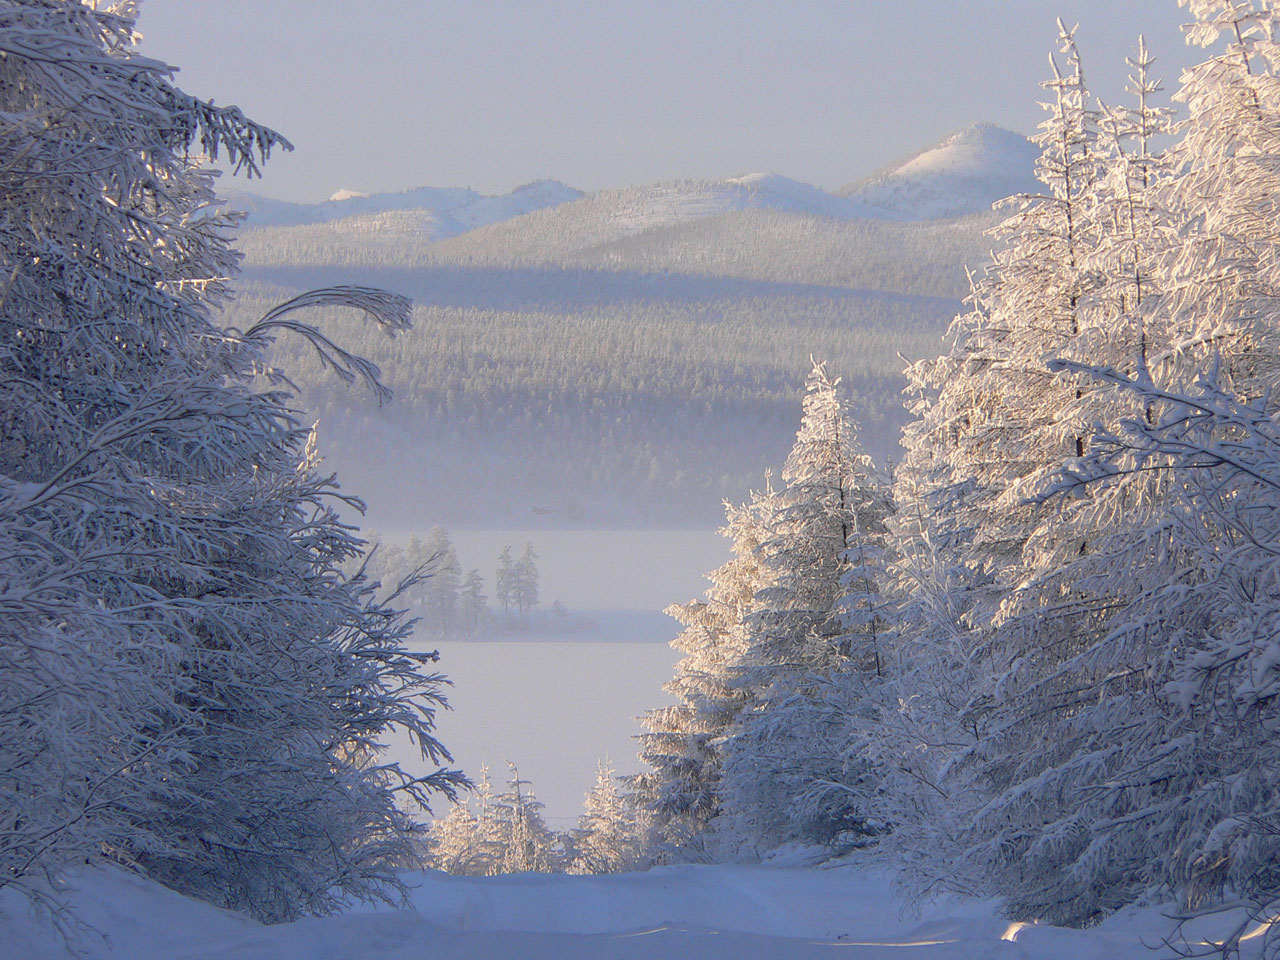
(963, 173)
(546, 193)
(453, 210)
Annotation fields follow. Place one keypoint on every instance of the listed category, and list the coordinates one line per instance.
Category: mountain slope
(625, 358)
(963, 173)
(454, 209)
(608, 216)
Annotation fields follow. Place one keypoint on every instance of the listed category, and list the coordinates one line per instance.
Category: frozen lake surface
(553, 707)
(558, 706)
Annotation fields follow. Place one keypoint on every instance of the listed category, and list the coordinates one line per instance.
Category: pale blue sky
(391, 94)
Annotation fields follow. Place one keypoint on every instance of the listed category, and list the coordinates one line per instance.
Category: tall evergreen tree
(982, 632)
(607, 838)
(1077, 777)
(1106, 817)
(529, 845)
(525, 581)
(504, 582)
(452, 843)
(189, 684)
(799, 637)
(475, 605)
(440, 583)
(680, 793)
(1196, 766)
(753, 754)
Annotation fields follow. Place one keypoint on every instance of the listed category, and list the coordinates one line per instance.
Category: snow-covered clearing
(703, 912)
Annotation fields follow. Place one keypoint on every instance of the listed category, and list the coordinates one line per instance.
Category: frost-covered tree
(607, 838)
(804, 632)
(991, 413)
(1190, 792)
(529, 845)
(1065, 785)
(524, 587)
(189, 684)
(451, 844)
(1223, 286)
(1132, 224)
(440, 584)
(1100, 818)
(1072, 280)
(470, 840)
(493, 834)
(679, 794)
(474, 603)
(504, 581)
(755, 751)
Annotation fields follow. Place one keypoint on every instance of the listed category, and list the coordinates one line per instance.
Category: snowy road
(668, 913)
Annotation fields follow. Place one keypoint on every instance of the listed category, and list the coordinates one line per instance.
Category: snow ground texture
(709, 912)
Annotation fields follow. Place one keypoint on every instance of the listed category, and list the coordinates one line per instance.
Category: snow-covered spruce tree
(452, 844)
(469, 840)
(524, 587)
(1072, 798)
(529, 845)
(1101, 818)
(188, 684)
(607, 838)
(495, 834)
(504, 582)
(475, 604)
(787, 776)
(1223, 281)
(1072, 281)
(987, 404)
(680, 793)
(1198, 769)
(441, 583)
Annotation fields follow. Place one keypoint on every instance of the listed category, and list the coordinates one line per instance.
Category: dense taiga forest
(628, 358)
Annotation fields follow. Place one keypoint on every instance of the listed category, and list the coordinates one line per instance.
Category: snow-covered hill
(703, 912)
(547, 222)
(453, 210)
(702, 298)
(609, 216)
(963, 173)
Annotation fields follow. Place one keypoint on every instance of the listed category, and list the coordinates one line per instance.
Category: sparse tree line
(495, 833)
(1043, 662)
(426, 575)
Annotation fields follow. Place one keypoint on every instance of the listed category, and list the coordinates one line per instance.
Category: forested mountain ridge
(458, 208)
(626, 357)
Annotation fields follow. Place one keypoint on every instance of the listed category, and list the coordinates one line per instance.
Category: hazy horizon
(392, 95)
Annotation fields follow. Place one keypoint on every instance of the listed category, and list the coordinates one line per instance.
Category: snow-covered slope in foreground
(701, 912)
